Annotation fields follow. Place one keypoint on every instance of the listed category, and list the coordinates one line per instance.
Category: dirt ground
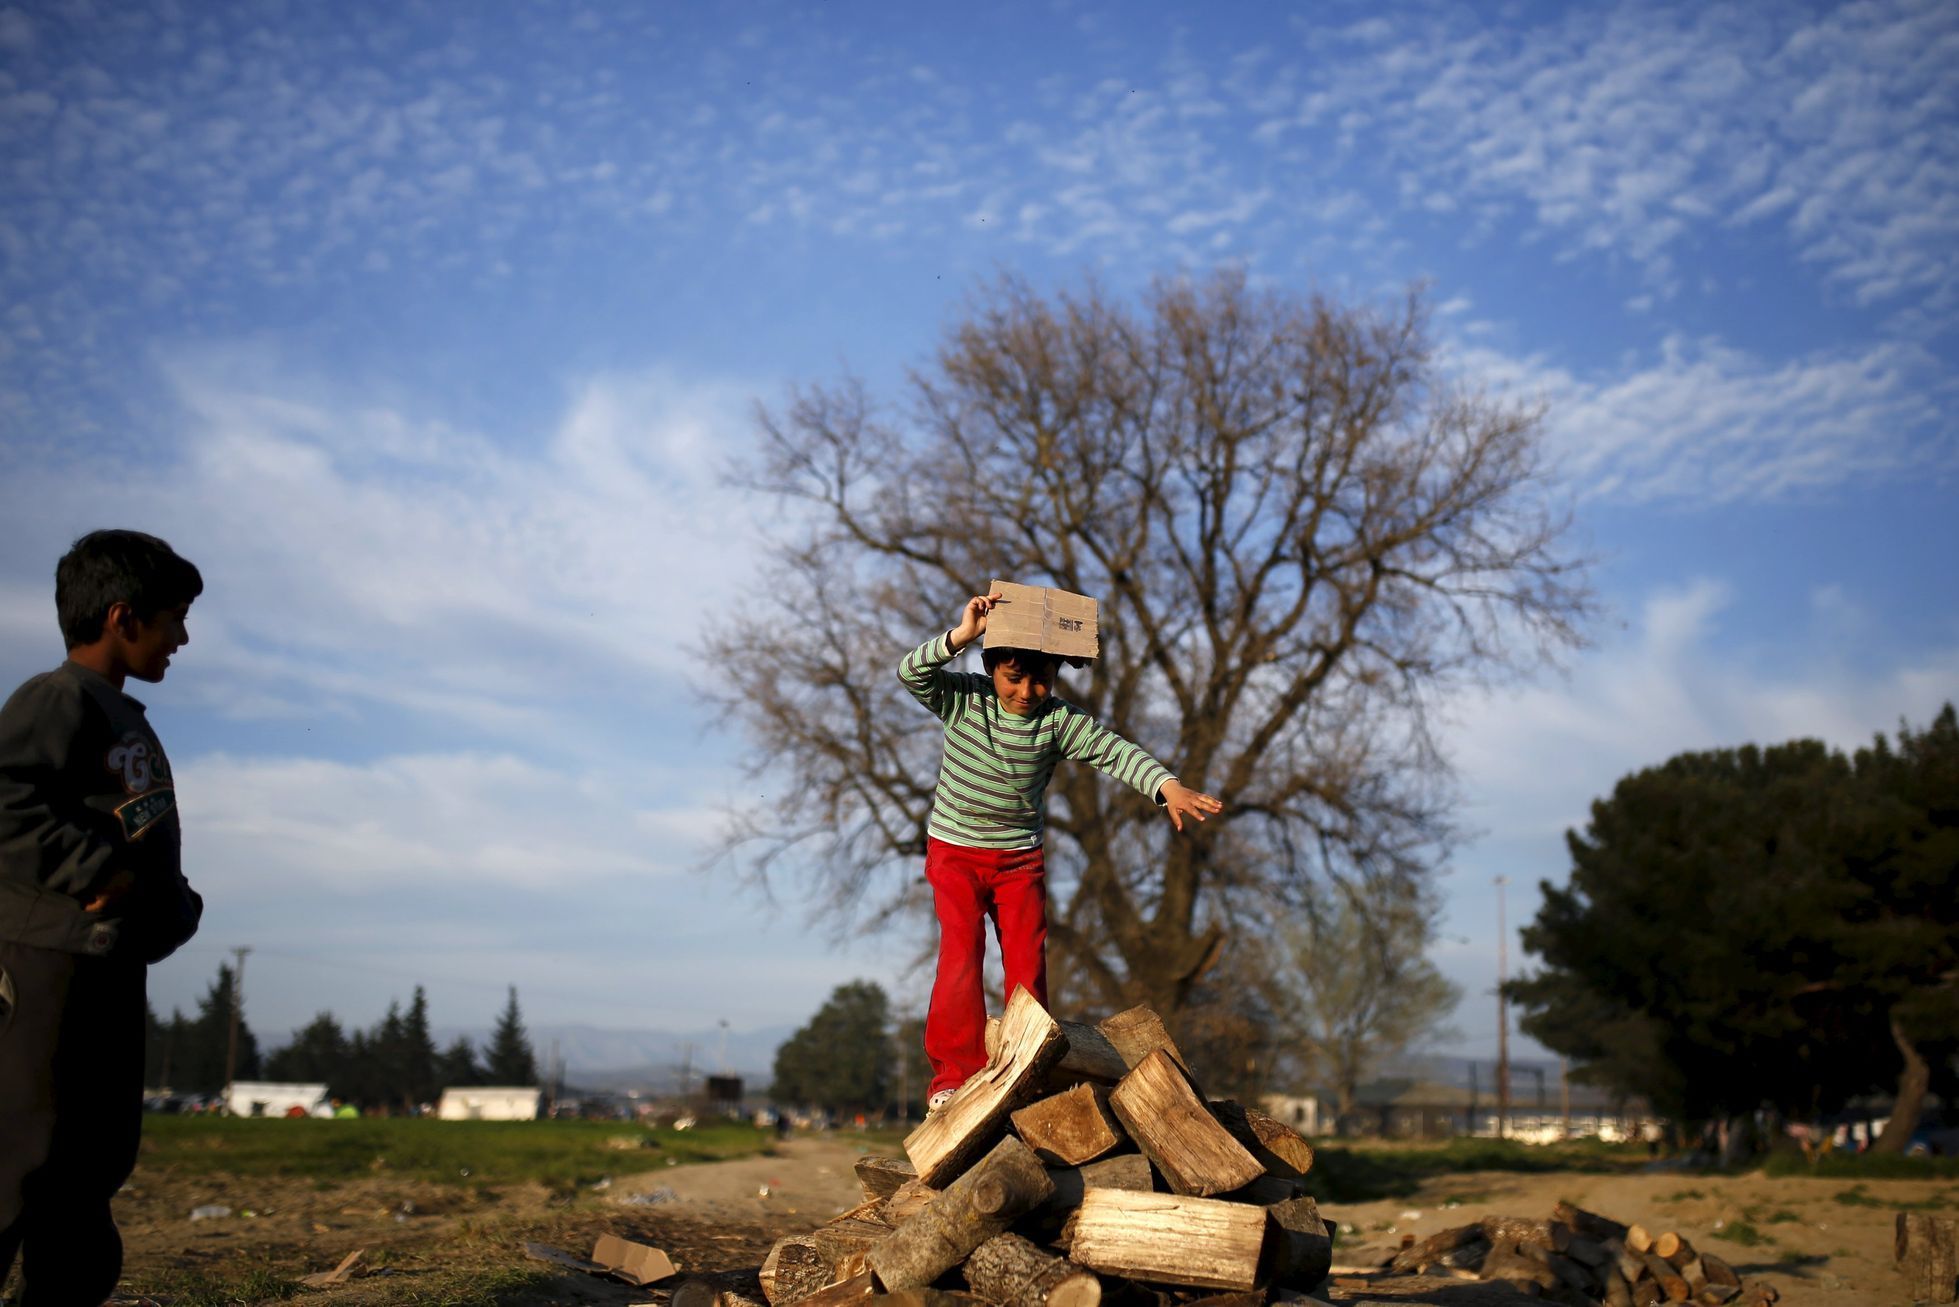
(1823, 1243)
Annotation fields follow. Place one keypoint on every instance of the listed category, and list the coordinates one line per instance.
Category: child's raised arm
(972, 620)
(1180, 801)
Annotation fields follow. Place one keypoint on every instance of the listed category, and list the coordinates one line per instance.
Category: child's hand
(110, 895)
(1180, 801)
(972, 619)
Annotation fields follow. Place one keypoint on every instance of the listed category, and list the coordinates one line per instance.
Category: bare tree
(1363, 988)
(1301, 534)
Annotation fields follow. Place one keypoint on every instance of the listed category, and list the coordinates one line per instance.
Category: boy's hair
(110, 567)
(1031, 662)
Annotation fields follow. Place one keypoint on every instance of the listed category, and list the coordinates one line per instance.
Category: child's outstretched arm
(1180, 801)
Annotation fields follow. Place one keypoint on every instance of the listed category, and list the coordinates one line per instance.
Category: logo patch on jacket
(143, 811)
(138, 762)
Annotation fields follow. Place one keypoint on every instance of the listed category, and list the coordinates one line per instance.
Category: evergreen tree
(841, 1060)
(318, 1054)
(456, 1065)
(420, 1083)
(509, 1060)
(198, 1062)
(1755, 926)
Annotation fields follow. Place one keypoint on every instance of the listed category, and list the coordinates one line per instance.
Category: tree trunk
(1913, 1082)
(1927, 1252)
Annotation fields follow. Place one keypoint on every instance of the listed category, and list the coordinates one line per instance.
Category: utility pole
(1564, 1093)
(1502, 1019)
(237, 1008)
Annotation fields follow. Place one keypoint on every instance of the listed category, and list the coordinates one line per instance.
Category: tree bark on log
(800, 1264)
(1588, 1223)
(1008, 1183)
(1672, 1284)
(912, 1197)
(1719, 1272)
(1159, 1106)
(1298, 1244)
(1927, 1252)
(1430, 1250)
(1279, 1148)
(1012, 1272)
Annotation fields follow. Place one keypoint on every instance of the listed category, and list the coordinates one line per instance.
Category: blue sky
(427, 329)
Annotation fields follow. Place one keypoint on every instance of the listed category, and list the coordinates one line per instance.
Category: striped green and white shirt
(993, 780)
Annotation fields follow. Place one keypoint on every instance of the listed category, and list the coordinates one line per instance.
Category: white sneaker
(939, 1100)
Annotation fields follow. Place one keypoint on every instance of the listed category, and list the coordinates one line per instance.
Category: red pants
(969, 886)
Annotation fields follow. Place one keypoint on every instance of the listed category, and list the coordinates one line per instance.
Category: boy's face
(1022, 690)
(147, 645)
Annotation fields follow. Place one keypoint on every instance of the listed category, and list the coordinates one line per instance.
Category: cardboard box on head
(1053, 621)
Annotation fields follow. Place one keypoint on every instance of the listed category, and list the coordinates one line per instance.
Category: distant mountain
(597, 1057)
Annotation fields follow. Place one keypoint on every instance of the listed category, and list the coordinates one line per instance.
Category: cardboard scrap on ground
(622, 1259)
(338, 1275)
(1058, 622)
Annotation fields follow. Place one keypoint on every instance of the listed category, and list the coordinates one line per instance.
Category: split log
(1090, 1055)
(1298, 1245)
(800, 1264)
(1506, 1263)
(1671, 1283)
(1264, 1190)
(1279, 1148)
(1136, 1034)
(1926, 1249)
(1159, 1106)
(858, 1288)
(1615, 1292)
(1012, 1272)
(1007, 1184)
(1588, 1223)
(1531, 1237)
(1646, 1292)
(1123, 1171)
(1674, 1248)
(957, 1134)
(1173, 1238)
(1584, 1248)
(1430, 1250)
(1070, 1128)
(912, 1197)
(1638, 1240)
(879, 1177)
(1718, 1272)
(1716, 1295)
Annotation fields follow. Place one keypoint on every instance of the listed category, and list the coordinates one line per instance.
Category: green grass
(471, 1153)
(1863, 1166)
(1359, 1173)
(1856, 1197)
(1742, 1232)
(196, 1289)
(1682, 1196)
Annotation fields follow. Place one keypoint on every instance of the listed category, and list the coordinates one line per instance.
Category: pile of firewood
(1082, 1160)
(1583, 1259)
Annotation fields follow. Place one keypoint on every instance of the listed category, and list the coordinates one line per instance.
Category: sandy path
(805, 1178)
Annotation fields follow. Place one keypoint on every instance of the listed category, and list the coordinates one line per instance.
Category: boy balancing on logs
(1004, 732)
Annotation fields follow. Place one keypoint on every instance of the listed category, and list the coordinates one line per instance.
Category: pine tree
(509, 1060)
(198, 1062)
(420, 1083)
(456, 1066)
(317, 1055)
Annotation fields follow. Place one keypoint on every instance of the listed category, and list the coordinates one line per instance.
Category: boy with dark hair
(91, 892)
(1004, 733)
